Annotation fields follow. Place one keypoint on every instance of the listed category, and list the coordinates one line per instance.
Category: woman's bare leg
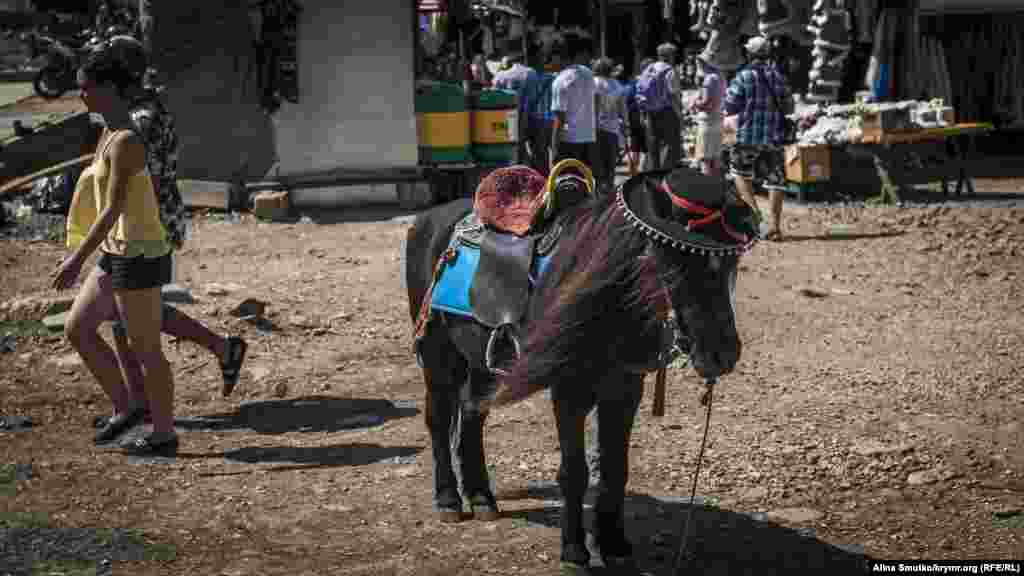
(174, 323)
(180, 325)
(93, 305)
(141, 312)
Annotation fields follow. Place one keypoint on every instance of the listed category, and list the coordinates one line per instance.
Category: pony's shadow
(720, 541)
(791, 238)
(303, 414)
(297, 458)
(335, 455)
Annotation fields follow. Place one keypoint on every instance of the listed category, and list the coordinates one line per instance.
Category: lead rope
(705, 400)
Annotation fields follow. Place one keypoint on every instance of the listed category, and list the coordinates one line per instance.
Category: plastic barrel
(442, 123)
(495, 126)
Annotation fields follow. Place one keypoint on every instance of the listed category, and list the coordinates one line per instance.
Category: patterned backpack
(652, 92)
(156, 127)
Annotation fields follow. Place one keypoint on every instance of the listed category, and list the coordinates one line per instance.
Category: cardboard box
(810, 164)
(877, 124)
(271, 205)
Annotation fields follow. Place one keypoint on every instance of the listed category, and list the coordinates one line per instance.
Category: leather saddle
(508, 270)
(497, 255)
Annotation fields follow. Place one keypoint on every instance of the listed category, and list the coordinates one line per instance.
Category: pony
(657, 257)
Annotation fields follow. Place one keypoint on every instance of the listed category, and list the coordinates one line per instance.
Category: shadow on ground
(304, 414)
(333, 456)
(839, 237)
(722, 542)
(362, 213)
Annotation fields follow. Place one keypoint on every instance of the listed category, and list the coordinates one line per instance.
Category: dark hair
(603, 67)
(101, 69)
(576, 46)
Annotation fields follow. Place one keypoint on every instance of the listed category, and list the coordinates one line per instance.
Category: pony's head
(666, 242)
(697, 234)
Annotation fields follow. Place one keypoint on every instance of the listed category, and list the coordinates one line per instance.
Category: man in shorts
(760, 99)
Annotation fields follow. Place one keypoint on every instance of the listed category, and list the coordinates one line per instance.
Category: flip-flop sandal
(231, 363)
(117, 426)
(145, 446)
(774, 236)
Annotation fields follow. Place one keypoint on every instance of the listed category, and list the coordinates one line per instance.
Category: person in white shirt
(574, 103)
(611, 113)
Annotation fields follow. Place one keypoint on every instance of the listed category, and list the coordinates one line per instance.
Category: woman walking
(708, 107)
(134, 261)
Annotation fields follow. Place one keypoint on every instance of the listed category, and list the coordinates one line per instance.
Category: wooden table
(944, 155)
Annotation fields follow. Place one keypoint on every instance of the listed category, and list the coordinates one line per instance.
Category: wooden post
(658, 408)
(146, 24)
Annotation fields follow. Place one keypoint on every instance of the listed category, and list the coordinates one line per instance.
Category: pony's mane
(600, 287)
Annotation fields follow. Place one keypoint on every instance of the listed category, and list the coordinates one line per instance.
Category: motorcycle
(63, 58)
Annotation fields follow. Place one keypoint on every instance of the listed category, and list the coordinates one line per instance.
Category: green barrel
(442, 123)
(495, 126)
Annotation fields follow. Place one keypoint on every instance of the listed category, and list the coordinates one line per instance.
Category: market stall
(908, 143)
(463, 130)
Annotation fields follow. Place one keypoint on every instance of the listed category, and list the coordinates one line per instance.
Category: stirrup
(489, 353)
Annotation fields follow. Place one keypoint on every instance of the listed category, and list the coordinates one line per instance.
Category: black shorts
(637, 136)
(764, 163)
(585, 152)
(137, 273)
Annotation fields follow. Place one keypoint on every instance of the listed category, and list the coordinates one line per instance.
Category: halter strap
(708, 214)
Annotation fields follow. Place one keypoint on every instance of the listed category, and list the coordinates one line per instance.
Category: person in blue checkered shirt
(760, 99)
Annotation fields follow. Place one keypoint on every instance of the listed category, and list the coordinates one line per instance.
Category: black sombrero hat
(689, 211)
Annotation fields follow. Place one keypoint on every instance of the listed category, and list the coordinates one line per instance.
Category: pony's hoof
(573, 569)
(449, 515)
(486, 512)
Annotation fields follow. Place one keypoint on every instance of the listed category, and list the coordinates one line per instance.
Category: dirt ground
(877, 408)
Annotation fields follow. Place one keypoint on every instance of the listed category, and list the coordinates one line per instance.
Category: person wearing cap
(662, 120)
(708, 107)
(574, 102)
(526, 83)
(760, 99)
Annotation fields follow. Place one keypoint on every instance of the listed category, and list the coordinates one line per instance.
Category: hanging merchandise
(288, 64)
(726, 20)
(831, 24)
(773, 14)
(699, 14)
(276, 53)
(785, 18)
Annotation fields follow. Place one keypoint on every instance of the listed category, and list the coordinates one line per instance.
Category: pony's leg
(476, 483)
(616, 416)
(572, 479)
(443, 368)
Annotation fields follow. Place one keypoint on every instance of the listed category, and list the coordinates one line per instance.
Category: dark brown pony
(596, 325)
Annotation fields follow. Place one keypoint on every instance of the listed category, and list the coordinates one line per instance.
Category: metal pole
(526, 35)
(603, 17)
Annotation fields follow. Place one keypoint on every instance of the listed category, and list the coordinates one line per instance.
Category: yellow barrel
(442, 124)
(495, 130)
(443, 130)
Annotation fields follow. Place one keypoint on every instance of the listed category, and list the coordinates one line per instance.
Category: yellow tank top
(137, 232)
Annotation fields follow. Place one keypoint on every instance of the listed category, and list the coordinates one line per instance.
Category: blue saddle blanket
(451, 292)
